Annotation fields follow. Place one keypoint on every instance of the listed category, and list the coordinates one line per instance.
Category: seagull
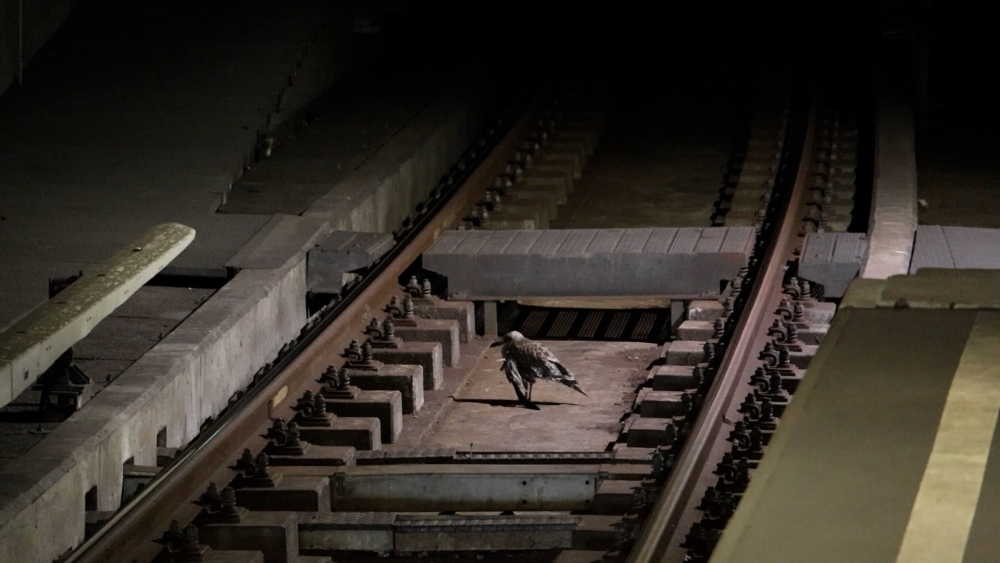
(525, 361)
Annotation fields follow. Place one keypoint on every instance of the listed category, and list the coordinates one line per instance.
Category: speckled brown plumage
(526, 361)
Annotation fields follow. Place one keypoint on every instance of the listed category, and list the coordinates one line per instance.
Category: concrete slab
(608, 372)
(833, 260)
(302, 493)
(696, 330)
(386, 406)
(342, 252)
(444, 332)
(939, 246)
(623, 453)
(283, 238)
(463, 312)
(684, 352)
(661, 404)
(614, 496)
(407, 379)
(362, 433)
(704, 310)
(427, 355)
(595, 531)
(275, 534)
(502, 265)
(645, 432)
(671, 378)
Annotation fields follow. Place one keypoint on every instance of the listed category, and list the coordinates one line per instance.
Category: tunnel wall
(41, 19)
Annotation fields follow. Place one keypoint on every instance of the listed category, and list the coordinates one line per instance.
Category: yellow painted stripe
(949, 491)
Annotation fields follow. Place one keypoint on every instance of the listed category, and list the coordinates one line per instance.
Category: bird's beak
(497, 343)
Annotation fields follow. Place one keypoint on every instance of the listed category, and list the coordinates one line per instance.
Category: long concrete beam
(34, 343)
(893, 220)
(510, 264)
(432, 488)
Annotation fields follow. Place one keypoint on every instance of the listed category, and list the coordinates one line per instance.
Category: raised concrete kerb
(187, 377)
(501, 265)
(929, 288)
(893, 220)
(283, 238)
(341, 253)
(31, 345)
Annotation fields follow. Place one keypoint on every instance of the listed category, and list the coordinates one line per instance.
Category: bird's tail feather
(576, 388)
(568, 380)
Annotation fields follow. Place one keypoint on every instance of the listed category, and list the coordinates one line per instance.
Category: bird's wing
(566, 378)
(551, 361)
(543, 353)
(509, 368)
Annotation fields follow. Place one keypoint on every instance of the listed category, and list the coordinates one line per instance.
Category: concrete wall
(892, 223)
(41, 19)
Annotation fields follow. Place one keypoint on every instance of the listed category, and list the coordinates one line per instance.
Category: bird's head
(512, 336)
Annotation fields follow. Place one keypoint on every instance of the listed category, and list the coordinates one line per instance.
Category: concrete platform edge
(893, 220)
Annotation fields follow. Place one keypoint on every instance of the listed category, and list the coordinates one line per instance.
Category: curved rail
(658, 534)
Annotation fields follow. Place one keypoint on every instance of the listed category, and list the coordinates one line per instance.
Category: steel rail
(661, 526)
(168, 495)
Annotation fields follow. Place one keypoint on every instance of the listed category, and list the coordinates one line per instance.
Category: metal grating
(644, 327)
(407, 455)
(641, 325)
(617, 325)
(564, 321)
(589, 328)
(532, 325)
(482, 523)
(346, 520)
(520, 458)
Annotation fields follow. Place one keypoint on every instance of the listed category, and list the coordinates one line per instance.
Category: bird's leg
(531, 385)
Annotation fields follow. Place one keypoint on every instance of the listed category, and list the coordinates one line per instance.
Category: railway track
(639, 499)
(781, 320)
